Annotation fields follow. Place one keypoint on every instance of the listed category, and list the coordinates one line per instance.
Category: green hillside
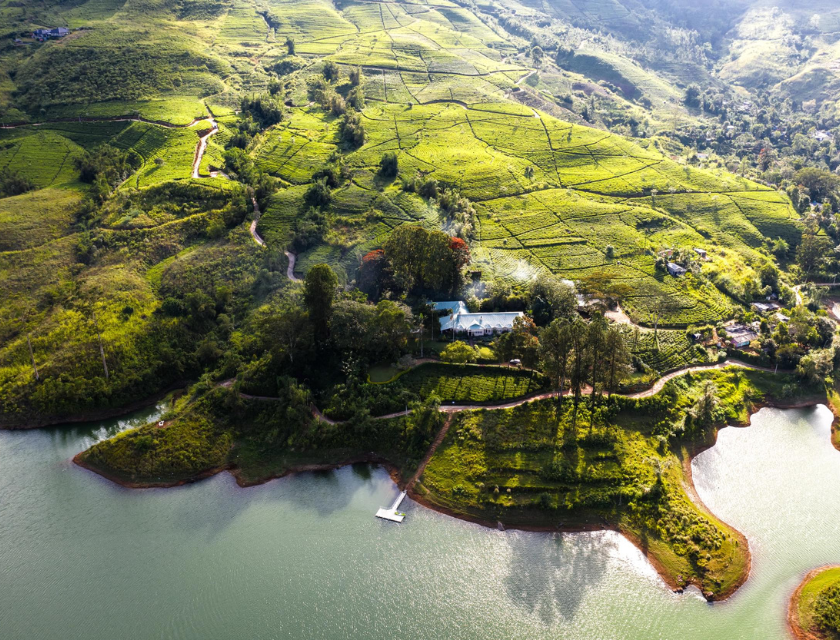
(141, 260)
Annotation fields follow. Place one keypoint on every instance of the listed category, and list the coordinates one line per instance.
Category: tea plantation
(442, 87)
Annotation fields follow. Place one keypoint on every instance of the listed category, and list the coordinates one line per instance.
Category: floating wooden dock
(392, 514)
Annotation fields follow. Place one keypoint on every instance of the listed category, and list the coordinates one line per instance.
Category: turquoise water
(303, 557)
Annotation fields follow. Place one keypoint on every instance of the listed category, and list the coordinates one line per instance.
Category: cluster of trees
(459, 213)
(240, 166)
(264, 109)
(571, 352)
(416, 261)
(324, 330)
(12, 183)
(341, 99)
(105, 167)
(351, 130)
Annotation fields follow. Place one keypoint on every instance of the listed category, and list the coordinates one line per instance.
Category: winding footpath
(202, 143)
(457, 408)
(290, 270)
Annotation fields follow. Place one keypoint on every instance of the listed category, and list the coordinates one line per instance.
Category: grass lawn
(381, 373)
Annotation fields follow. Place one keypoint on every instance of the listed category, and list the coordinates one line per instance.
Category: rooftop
(502, 321)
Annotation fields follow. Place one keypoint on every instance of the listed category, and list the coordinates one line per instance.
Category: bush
(352, 130)
(13, 184)
(319, 194)
(331, 71)
(827, 609)
(458, 352)
(389, 164)
(356, 99)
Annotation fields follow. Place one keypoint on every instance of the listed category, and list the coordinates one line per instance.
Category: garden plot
(87, 134)
(175, 110)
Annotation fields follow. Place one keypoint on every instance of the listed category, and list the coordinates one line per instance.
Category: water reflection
(303, 557)
(550, 580)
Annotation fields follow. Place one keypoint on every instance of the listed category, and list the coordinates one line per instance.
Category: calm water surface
(303, 557)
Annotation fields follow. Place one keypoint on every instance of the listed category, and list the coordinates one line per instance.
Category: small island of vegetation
(814, 611)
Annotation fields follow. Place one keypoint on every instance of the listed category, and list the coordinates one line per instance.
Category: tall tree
(555, 351)
(597, 340)
(319, 294)
(551, 298)
(618, 359)
(425, 260)
(578, 335)
(520, 342)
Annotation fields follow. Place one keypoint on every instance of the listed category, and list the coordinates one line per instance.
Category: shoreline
(685, 456)
(235, 472)
(793, 623)
(93, 415)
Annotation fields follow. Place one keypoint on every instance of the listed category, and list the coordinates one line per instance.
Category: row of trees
(573, 353)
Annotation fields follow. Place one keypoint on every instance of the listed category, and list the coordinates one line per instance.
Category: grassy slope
(600, 475)
(560, 220)
(589, 188)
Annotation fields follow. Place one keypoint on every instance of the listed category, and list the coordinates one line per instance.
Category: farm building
(676, 270)
(43, 34)
(700, 252)
(480, 324)
(741, 335)
(765, 307)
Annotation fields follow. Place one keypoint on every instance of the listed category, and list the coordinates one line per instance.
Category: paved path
(202, 145)
(290, 270)
(253, 227)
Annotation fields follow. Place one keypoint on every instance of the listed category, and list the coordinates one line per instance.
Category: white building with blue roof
(480, 324)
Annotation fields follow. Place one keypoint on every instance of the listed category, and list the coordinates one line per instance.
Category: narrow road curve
(290, 270)
(816, 284)
(202, 144)
(253, 227)
(656, 388)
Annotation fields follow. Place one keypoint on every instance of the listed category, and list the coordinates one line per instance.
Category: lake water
(303, 557)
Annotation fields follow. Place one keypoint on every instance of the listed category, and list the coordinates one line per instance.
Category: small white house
(477, 325)
(675, 270)
(700, 252)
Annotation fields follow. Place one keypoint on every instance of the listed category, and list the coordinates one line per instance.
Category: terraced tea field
(584, 190)
(471, 383)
